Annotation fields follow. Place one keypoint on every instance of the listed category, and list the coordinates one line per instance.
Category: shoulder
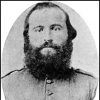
(17, 82)
(88, 79)
(14, 78)
(84, 73)
(12, 74)
(85, 76)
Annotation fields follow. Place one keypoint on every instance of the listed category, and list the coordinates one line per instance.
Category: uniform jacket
(20, 85)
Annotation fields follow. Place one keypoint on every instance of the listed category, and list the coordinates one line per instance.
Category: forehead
(47, 16)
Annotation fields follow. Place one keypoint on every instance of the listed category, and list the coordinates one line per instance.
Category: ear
(71, 31)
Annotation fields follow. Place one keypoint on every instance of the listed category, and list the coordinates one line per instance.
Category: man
(47, 74)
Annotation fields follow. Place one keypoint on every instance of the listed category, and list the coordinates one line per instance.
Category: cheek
(60, 38)
(36, 39)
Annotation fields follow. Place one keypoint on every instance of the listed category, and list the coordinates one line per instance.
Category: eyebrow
(38, 26)
(56, 25)
(50, 26)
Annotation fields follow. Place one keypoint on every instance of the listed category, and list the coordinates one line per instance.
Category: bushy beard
(56, 66)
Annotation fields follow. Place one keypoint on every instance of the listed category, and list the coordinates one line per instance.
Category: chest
(51, 90)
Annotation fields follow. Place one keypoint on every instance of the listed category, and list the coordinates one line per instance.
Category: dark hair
(71, 31)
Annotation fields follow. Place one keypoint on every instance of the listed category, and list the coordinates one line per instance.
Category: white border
(89, 10)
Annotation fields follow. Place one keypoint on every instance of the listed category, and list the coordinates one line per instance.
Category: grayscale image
(47, 57)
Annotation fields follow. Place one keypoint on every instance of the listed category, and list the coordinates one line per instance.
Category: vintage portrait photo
(50, 54)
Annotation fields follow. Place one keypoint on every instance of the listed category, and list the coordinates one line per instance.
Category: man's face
(47, 24)
(49, 51)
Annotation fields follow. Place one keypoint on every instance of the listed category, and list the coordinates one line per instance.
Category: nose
(48, 42)
(48, 37)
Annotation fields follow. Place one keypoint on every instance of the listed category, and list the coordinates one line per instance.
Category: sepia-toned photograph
(49, 54)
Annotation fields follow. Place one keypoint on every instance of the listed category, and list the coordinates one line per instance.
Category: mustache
(49, 44)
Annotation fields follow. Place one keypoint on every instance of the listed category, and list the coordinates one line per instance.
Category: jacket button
(49, 93)
(49, 81)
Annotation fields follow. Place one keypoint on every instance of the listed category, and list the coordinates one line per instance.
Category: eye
(38, 29)
(56, 28)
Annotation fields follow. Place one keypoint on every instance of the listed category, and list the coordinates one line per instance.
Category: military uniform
(20, 85)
